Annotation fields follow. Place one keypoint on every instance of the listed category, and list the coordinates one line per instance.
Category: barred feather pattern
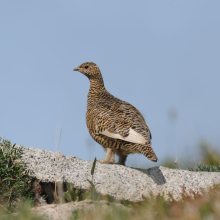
(108, 117)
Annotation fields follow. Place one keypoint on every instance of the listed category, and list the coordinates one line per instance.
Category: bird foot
(119, 163)
(106, 161)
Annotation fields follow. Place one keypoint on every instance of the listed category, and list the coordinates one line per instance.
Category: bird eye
(86, 67)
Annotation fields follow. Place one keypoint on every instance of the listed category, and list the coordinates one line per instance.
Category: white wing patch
(133, 136)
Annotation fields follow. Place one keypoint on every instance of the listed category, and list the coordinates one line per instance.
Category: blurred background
(163, 57)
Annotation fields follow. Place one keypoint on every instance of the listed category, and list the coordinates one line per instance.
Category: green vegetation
(23, 212)
(206, 168)
(15, 181)
(210, 159)
(209, 154)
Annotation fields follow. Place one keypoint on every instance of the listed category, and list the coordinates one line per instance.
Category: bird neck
(97, 84)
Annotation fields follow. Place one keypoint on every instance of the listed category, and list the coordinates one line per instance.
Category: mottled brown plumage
(115, 124)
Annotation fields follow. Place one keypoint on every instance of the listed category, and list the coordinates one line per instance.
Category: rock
(119, 182)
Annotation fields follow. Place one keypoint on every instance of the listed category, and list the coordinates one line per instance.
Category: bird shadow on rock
(154, 173)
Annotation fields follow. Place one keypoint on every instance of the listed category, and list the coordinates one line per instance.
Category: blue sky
(161, 56)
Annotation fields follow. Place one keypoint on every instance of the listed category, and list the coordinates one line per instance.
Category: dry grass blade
(55, 190)
(5, 209)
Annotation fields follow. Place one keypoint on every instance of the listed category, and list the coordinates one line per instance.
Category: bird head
(89, 69)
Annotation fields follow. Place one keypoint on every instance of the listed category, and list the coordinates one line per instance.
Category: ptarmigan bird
(115, 124)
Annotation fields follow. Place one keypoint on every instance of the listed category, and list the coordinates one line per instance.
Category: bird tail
(148, 152)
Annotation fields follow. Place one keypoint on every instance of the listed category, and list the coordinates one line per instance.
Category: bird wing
(120, 120)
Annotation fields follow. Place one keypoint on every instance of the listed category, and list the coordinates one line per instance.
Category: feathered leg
(110, 156)
(122, 158)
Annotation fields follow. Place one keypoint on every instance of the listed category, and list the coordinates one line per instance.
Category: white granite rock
(120, 182)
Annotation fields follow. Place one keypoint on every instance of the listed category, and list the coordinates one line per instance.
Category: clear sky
(163, 57)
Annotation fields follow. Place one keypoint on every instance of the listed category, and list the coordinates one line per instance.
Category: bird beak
(76, 69)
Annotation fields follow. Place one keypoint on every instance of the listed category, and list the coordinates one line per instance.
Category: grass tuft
(205, 168)
(15, 180)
